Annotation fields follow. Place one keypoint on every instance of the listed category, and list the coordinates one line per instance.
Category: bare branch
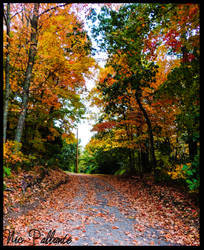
(5, 19)
(17, 13)
(53, 8)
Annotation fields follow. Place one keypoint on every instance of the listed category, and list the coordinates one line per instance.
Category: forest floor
(104, 210)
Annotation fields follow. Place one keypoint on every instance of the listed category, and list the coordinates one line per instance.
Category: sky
(86, 125)
(84, 128)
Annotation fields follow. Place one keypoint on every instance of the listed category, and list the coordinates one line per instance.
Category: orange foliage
(11, 155)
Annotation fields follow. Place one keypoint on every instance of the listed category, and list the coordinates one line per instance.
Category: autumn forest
(142, 163)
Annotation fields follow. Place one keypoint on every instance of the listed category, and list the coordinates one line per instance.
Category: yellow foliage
(69, 138)
(178, 173)
(11, 154)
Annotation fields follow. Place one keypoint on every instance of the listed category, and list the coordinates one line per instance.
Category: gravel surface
(97, 215)
(114, 228)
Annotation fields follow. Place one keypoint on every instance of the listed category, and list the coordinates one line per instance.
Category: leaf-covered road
(109, 224)
(96, 210)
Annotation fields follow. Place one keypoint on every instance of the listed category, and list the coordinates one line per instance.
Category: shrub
(13, 158)
(189, 172)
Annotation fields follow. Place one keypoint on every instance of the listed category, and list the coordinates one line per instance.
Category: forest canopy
(147, 93)
(149, 90)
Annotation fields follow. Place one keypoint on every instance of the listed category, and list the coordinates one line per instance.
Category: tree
(139, 72)
(33, 54)
(7, 19)
(138, 38)
(45, 94)
(28, 74)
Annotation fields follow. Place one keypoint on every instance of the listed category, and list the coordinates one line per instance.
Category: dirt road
(90, 211)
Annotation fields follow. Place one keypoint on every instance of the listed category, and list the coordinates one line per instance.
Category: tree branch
(52, 8)
(5, 19)
(166, 12)
(17, 13)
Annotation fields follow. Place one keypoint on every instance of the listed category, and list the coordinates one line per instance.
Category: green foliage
(108, 161)
(66, 159)
(104, 162)
(87, 163)
(29, 162)
(121, 171)
(192, 174)
(131, 37)
(7, 171)
(46, 85)
(163, 155)
(188, 173)
(163, 160)
(164, 163)
(13, 158)
(183, 84)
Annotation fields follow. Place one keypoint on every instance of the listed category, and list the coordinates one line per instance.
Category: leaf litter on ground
(149, 206)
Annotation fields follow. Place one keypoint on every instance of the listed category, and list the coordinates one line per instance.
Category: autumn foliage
(145, 150)
(146, 89)
(46, 56)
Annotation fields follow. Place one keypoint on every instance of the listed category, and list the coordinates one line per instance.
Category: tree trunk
(28, 73)
(149, 131)
(7, 69)
(131, 161)
(130, 151)
(192, 146)
(144, 159)
(140, 163)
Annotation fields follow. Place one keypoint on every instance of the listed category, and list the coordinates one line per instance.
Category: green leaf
(185, 167)
(189, 172)
(7, 171)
